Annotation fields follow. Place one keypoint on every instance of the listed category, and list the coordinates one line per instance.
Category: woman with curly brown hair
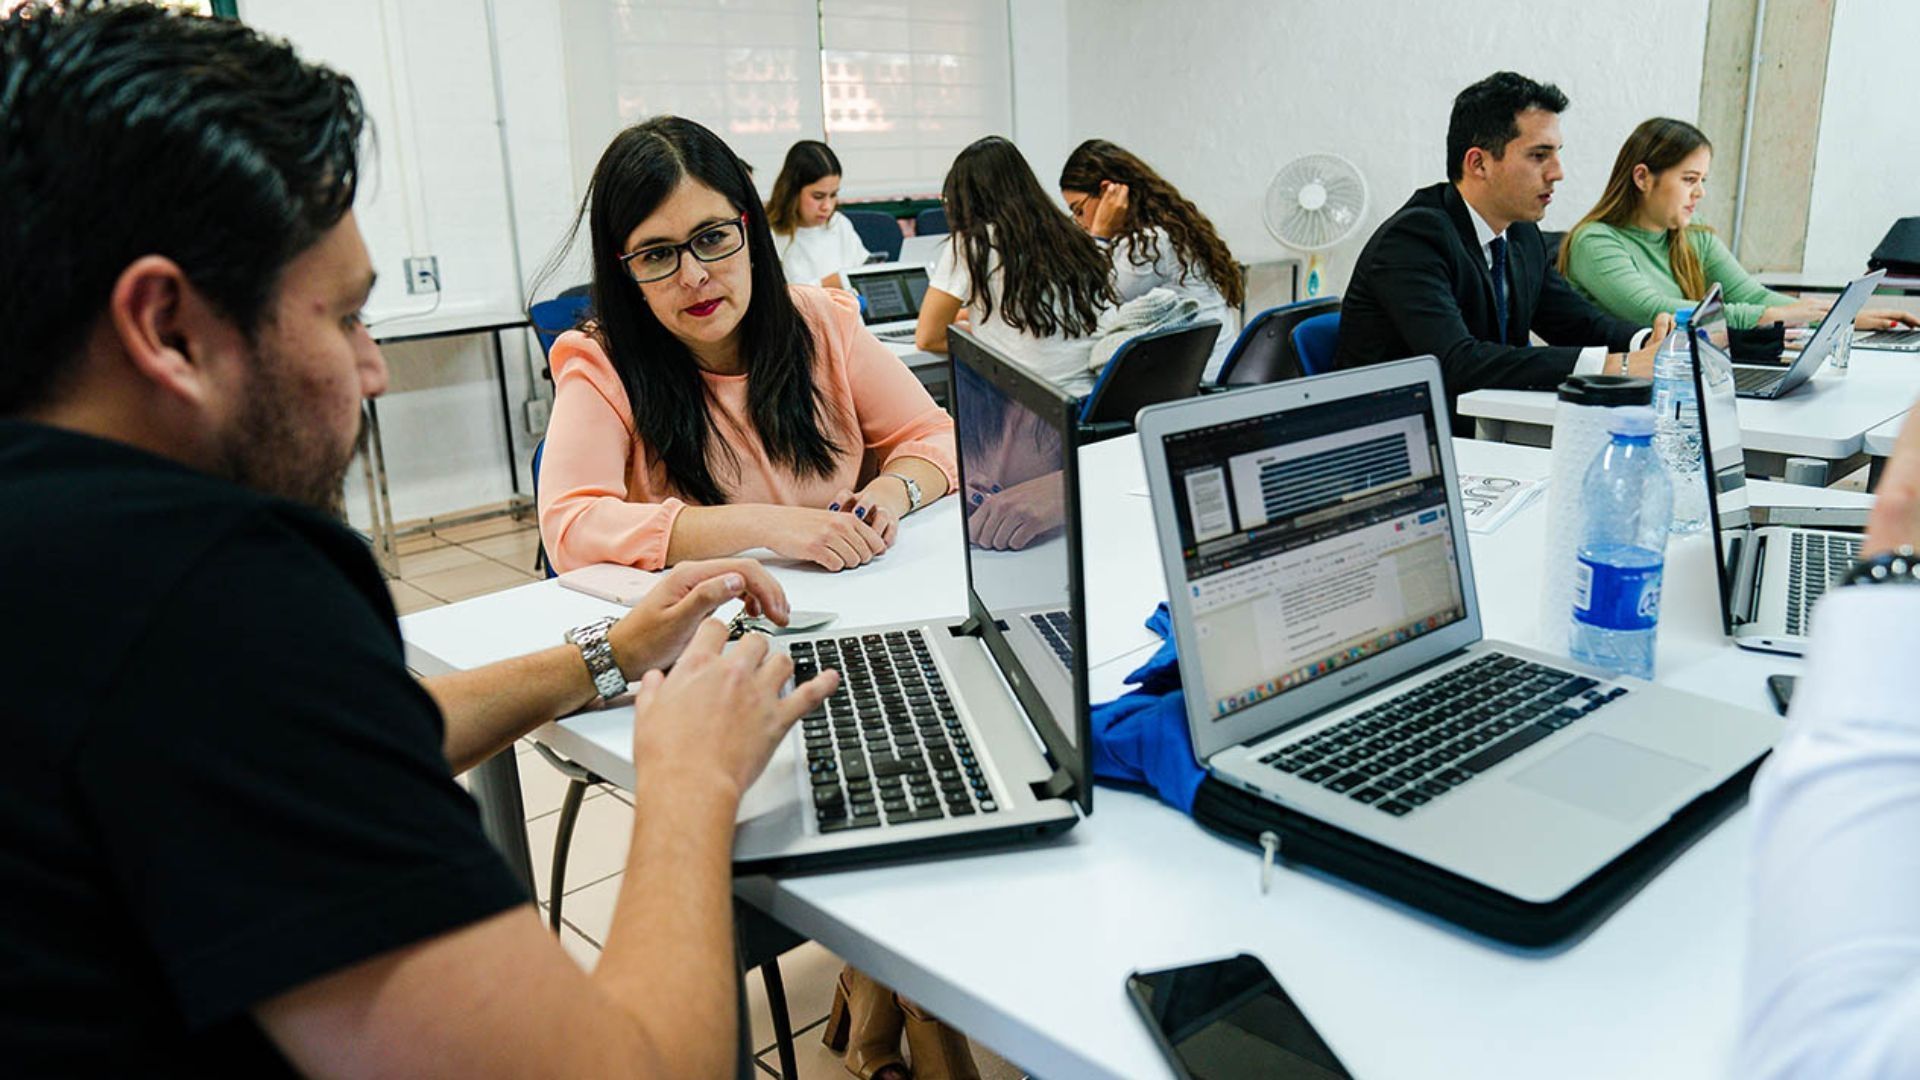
(1157, 238)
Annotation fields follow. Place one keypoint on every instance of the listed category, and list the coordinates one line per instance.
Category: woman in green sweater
(1637, 253)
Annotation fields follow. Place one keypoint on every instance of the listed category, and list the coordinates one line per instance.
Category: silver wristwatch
(594, 647)
(913, 490)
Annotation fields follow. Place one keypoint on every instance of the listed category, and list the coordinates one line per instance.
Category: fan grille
(1293, 224)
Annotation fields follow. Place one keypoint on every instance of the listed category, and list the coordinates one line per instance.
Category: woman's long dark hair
(808, 161)
(1659, 144)
(672, 409)
(1151, 203)
(1053, 278)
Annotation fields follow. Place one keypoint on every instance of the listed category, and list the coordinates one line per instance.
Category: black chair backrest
(1552, 241)
(1264, 352)
(1163, 365)
(878, 231)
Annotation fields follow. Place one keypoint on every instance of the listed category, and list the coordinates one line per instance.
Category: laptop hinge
(970, 628)
(1057, 786)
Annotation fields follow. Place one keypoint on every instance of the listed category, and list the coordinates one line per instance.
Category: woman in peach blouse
(711, 408)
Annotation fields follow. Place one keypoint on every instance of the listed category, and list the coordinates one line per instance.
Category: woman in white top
(1157, 238)
(815, 242)
(1033, 284)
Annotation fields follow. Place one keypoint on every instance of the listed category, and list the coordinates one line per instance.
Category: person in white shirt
(1157, 238)
(815, 241)
(1833, 958)
(1033, 284)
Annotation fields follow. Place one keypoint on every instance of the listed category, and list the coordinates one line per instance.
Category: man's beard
(272, 449)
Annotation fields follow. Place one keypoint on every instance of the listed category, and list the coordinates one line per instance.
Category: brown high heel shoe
(938, 1051)
(865, 1023)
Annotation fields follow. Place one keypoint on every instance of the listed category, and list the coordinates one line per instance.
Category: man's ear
(168, 329)
(1473, 162)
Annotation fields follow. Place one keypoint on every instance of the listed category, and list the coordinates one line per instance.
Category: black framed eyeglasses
(711, 244)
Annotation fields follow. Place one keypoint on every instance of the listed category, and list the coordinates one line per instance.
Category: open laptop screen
(890, 295)
(1312, 539)
(1725, 452)
(1016, 438)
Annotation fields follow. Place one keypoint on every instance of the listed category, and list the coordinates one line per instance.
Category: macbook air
(922, 250)
(1330, 646)
(1773, 381)
(946, 735)
(1769, 577)
(890, 296)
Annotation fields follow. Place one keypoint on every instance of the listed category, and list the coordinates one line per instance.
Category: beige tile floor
(470, 560)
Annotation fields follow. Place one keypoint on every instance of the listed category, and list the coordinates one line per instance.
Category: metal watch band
(1899, 566)
(913, 489)
(594, 647)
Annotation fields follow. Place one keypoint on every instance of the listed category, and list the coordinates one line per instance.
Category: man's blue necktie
(1499, 246)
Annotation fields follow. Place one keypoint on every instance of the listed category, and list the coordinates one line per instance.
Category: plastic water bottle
(1677, 436)
(1625, 502)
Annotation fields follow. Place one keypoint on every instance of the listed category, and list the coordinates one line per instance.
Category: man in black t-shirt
(230, 841)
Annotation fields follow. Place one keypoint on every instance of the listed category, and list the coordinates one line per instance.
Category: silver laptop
(1773, 381)
(922, 250)
(890, 296)
(950, 735)
(1331, 651)
(1769, 576)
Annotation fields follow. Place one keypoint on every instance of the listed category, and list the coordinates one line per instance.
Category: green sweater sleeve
(1745, 297)
(1602, 264)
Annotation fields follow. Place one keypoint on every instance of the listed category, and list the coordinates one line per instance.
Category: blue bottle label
(1616, 597)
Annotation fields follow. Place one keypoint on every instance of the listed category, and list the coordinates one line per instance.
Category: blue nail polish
(996, 489)
(835, 506)
(861, 513)
(976, 498)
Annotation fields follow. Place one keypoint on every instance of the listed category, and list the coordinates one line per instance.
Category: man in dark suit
(1461, 271)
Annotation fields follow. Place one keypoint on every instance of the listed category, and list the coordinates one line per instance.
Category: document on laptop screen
(1312, 539)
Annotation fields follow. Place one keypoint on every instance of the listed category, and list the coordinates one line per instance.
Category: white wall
(1869, 151)
(1218, 94)
(1039, 42)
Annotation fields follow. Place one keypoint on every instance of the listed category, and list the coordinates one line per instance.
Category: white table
(1027, 949)
(1827, 418)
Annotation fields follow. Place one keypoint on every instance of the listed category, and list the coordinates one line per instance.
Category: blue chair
(1161, 365)
(930, 222)
(540, 559)
(1264, 351)
(1314, 341)
(551, 318)
(879, 231)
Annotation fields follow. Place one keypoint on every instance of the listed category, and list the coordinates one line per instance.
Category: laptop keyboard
(1884, 339)
(905, 333)
(1056, 629)
(886, 748)
(1405, 753)
(1817, 559)
(1755, 379)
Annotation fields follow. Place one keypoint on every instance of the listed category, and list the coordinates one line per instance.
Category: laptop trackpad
(1609, 777)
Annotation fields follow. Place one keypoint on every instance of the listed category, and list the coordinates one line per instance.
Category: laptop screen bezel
(1709, 309)
(1302, 703)
(1057, 409)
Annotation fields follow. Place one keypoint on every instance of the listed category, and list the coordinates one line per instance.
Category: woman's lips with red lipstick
(704, 308)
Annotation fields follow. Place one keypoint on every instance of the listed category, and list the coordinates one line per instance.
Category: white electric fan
(1313, 203)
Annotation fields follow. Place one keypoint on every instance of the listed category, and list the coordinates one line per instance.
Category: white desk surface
(1879, 440)
(1028, 949)
(1826, 418)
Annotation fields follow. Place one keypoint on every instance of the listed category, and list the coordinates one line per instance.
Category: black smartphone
(1227, 1019)
(1781, 687)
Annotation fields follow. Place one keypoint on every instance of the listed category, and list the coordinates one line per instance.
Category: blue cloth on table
(1141, 737)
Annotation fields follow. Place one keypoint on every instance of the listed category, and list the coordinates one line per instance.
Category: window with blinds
(906, 84)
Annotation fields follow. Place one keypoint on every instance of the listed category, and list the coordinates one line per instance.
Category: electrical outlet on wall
(539, 410)
(423, 274)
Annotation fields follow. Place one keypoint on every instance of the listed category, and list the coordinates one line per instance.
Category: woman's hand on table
(881, 504)
(828, 538)
(658, 628)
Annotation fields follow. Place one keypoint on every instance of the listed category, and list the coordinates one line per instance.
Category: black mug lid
(1606, 390)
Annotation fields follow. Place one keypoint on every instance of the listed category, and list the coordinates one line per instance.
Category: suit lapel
(1461, 215)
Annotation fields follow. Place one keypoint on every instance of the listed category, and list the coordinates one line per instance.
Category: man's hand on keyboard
(660, 625)
(719, 714)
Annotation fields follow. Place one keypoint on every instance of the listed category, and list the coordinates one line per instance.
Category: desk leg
(495, 784)
(506, 416)
(373, 464)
